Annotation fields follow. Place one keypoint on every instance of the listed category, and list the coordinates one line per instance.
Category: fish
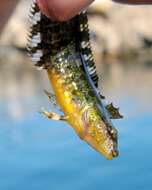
(63, 49)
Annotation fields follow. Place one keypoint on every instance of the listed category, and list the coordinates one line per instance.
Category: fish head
(99, 133)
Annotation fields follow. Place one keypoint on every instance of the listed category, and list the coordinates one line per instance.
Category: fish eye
(113, 133)
(115, 153)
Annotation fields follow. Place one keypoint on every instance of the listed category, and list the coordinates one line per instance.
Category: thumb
(62, 10)
(43, 5)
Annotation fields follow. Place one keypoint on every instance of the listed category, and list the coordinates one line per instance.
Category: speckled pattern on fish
(63, 49)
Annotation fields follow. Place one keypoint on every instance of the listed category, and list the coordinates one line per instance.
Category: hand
(62, 10)
(6, 9)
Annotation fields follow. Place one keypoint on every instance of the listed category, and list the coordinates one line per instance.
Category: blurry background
(36, 153)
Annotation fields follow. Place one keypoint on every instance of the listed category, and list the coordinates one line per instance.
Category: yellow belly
(64, 99)
(72, 112)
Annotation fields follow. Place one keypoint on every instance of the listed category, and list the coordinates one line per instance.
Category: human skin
(60, 10)
(6, 9)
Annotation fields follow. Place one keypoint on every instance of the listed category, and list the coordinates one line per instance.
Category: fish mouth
(106, 146)
(109, 154)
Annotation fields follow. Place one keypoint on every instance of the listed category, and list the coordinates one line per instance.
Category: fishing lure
(63, 49)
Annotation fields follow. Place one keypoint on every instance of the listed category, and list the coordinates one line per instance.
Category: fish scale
(64, 50)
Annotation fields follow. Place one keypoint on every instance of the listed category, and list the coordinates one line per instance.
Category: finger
(62, 10)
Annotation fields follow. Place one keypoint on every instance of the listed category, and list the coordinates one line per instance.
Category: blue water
(37, 154)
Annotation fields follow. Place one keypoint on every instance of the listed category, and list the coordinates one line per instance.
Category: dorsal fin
(38, 47)
(47, 36)
(34, 37)
(89, 64)
(85, 46)
(114, 112)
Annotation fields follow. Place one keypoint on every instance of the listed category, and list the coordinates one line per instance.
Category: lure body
(63, 49)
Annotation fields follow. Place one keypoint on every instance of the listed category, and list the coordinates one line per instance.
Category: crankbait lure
(63, 49)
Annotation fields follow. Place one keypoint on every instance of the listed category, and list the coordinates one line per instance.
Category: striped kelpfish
(63, 49)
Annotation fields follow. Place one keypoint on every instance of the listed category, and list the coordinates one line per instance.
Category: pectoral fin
(53, 115)
(52, 99)
(114, 112)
